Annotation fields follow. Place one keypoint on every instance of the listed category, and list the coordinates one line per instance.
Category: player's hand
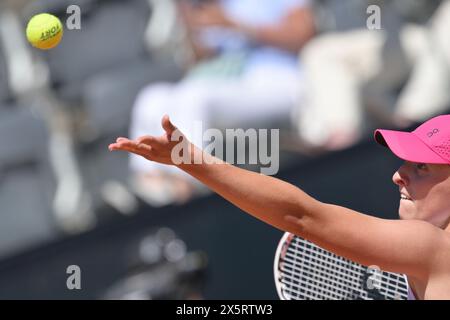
(158, 149)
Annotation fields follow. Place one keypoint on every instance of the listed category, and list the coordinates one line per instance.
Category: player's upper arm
(412, 247)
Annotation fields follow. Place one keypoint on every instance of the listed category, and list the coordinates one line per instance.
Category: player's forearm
(266, 198)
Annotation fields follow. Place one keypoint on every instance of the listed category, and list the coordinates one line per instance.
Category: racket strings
(352, 271)
(306, 271)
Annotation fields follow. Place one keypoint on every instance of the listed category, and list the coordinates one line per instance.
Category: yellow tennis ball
(44, 31)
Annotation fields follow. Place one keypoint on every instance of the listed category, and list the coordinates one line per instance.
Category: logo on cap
(432, 133)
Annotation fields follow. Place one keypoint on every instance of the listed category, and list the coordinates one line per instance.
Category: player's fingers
(145, 151)
(122, 147)
(167, 125)
(134, 147)
(131, 146)
(119, 140)
(154, 142)
(114, 147)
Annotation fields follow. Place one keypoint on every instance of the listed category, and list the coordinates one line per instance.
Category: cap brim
(407, 146)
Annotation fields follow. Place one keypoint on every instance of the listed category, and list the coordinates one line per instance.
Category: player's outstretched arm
(266, 198)
(392, 245)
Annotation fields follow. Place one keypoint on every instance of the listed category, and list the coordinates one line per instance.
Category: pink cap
(429, 143)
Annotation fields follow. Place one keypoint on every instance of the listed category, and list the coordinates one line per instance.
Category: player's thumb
(167, 125)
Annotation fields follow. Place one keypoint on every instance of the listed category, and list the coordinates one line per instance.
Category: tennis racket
(305, 271)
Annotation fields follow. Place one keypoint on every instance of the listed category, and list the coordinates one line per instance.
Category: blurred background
(324, 72)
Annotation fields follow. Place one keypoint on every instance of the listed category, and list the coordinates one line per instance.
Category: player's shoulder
(434, 246)
(444, 245)
(440, 246)
(438, 282)
(432, 238)
(439, 236)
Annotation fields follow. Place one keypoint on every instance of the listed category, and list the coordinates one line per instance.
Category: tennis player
(417, 245)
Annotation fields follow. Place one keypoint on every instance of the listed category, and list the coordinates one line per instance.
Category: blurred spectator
(346, 71)
(245, 71)
(428, 89)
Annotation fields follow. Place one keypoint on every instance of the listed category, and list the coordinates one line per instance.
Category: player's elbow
(304, 219)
